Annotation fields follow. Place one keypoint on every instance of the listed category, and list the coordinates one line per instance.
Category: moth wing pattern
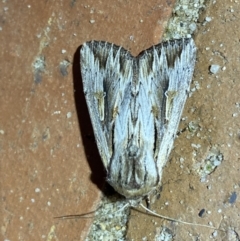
(107, 73)
(166, 71)
(135, 105)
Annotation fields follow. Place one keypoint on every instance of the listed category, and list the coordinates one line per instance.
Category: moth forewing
(90, 70)
(135, 105)
(180, 75)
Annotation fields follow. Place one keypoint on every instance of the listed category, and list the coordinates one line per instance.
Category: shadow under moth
(135, 105)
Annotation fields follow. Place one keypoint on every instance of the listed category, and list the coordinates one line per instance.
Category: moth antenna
(74, 216)
(83, 215)
(179, 221)
(122, 208)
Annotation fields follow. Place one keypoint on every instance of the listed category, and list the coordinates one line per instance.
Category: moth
(135, 105)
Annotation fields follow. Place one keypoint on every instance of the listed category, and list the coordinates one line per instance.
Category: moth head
(133, 172)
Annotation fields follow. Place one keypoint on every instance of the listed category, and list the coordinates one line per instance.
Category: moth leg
(148, 202)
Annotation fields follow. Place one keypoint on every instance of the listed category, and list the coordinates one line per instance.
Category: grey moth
(135, 105)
